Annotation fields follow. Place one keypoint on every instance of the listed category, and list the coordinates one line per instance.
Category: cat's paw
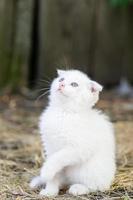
(35, 182)
(52, 191)
(47, 173)
(78, 189)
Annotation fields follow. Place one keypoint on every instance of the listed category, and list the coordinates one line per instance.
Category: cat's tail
(36, 182)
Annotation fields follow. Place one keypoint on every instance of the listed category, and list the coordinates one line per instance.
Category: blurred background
(38, 36)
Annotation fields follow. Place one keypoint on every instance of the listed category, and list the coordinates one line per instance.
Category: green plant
(121, 2)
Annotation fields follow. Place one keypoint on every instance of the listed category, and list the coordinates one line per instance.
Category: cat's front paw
(35, 182)
(78, 189)
(47, 173)
(49, 192)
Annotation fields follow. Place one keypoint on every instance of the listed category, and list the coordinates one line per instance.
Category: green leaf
(121, 2)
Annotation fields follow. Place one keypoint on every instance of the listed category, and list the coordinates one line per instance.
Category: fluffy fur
(78, 139)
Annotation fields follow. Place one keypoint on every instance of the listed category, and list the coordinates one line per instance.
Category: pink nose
(61, 85)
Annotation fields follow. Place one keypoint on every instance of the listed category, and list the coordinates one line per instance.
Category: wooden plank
(15, 42)
(90, 35)
(114, 51)
(65, 27)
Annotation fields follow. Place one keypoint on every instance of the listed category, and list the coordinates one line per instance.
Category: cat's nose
(61, 85)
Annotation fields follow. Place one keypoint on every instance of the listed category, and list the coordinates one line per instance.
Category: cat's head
(73, 87)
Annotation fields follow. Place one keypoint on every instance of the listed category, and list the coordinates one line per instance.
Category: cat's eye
(74, 84)
(61, 79)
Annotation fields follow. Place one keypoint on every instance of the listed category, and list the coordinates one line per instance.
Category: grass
(21, 154)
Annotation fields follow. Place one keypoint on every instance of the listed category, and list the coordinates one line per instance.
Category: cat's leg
(56, 162)
(78, 189)
(94, 176)
(52, 187)
(36, 182)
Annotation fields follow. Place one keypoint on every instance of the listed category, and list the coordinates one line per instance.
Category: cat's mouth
(60, 91)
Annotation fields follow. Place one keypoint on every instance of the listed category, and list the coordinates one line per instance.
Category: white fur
(78, 139)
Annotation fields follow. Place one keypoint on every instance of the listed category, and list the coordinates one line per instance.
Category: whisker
(43, 89)
(44, 85)
(43, 95)
(47, 78)
(44, 80)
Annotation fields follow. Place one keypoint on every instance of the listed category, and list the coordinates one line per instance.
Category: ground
(21, 152)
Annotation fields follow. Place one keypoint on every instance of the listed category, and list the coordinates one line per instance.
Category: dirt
(21, 152)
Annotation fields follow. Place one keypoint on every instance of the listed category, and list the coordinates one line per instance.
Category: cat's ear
(60, 72)
(96, 87)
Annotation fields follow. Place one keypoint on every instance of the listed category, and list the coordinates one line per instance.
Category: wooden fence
(37, 36)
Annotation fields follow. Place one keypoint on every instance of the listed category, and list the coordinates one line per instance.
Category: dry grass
(20, 152)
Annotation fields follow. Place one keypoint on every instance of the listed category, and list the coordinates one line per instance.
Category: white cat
(78, 139)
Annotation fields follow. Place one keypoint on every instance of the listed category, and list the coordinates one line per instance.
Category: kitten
(78, 139)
